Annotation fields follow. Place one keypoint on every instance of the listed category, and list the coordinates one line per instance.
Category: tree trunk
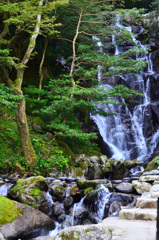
(41, 66)
(27, 148)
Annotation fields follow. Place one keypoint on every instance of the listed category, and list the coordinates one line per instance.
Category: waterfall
(103, 198)
(128, 134)
(4, 189)
(75, 208)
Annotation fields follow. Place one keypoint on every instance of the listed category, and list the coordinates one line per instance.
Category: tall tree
(74, 95)
(22, 23)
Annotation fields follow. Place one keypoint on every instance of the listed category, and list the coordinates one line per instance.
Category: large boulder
(87, 232)
(18, 220)
(33, 192)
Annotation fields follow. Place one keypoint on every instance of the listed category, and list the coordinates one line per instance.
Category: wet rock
(75, 193)
(94, 172)
(114, 208)
(57, 209)
(80, 214)
(124, 187)
(68, 201)
(33, 192)
(82, 184)
(67, 223)
(155, 59)
(58, 192)
(24, 220)
(121, 198)
(93, 218)
(120, 171)
(61, 218)
(141, 187)
(92, 196)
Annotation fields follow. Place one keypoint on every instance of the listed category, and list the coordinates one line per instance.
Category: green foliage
(10, 148)
(49, 154)
(7, 98)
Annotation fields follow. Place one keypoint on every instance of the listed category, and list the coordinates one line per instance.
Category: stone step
(146, 202)
(138, 214)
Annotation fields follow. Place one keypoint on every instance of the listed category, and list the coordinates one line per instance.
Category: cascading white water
(4, 189)
(125, 132)
(103, 198)
(75, 208)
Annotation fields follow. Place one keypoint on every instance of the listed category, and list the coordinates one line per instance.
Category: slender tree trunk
(74, 51)
(41, 66)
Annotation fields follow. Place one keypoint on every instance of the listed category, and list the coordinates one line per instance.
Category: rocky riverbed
(73, 208)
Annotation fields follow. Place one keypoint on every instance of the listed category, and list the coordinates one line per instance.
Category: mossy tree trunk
(27, 148)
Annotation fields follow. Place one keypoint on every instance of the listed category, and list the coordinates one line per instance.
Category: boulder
(122, 198)
(87, 232)
(68, 201)
(33, 192)
(18, 220)
(114, 208)
(124, 187)
(79, 215)
(58, 192)
(141, 187)
(57, 209)
(120, 171)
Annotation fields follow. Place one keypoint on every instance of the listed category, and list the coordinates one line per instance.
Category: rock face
(33, 192)
(25, 219)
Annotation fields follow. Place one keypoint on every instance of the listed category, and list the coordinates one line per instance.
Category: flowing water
(128, 134)
(4, 189)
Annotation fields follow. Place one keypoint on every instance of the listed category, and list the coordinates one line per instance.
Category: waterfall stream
(128, 134)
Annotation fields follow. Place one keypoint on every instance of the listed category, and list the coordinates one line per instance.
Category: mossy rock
(129, 164)
(87, 190)
(74, 190)
(29, 191)
(152, 165)
(58, 190)
(8, 211)
(83, 184)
